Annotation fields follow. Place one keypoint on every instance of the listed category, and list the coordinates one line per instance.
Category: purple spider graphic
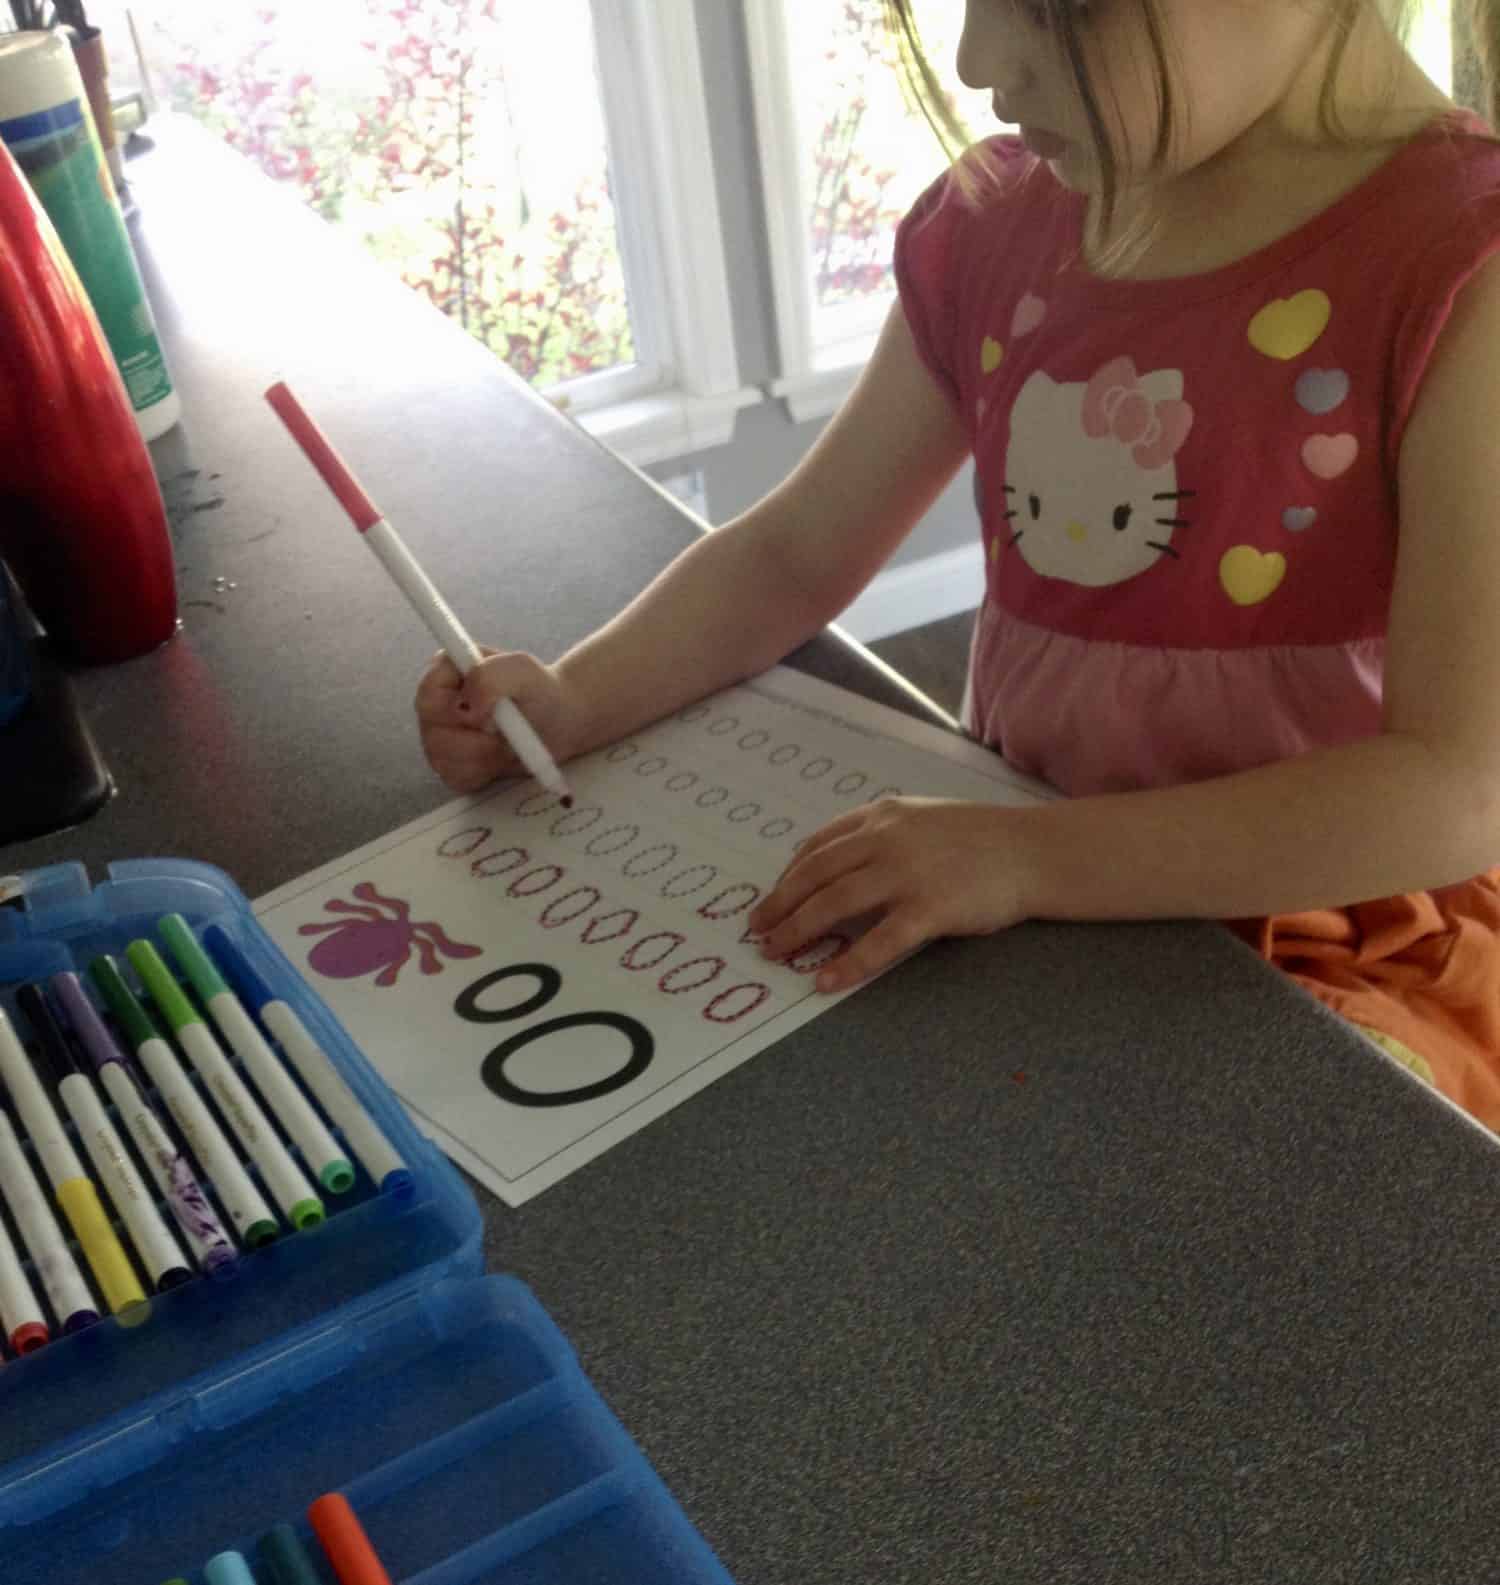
(376, 940)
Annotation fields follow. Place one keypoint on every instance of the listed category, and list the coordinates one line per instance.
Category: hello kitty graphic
(1092, 497)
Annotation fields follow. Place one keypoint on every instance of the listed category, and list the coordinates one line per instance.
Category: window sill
(666, 424)
(821, 390)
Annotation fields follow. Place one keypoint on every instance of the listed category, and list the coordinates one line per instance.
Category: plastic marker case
(369, 1355)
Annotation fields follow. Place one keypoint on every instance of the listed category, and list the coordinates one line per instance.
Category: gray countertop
(1085, 1253)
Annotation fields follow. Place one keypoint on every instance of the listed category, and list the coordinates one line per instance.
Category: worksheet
(538, 983)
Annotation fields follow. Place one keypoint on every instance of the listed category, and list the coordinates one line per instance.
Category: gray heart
(1322, 390)
(1296, 518)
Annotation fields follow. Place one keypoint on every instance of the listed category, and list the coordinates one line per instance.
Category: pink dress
(1187, 489)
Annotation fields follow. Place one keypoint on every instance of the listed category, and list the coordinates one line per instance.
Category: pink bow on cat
(1114, 404)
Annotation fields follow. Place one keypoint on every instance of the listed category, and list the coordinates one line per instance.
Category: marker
(273, 1081)
(292, 1192)
(20, 1309)
(160, 1254)
(228, 1568)
(285, 1559)
(62, 1281)
(345, 1542)
(418, 588)
(253, 1218)
(376, 1153)
(199, 1223)
(75, 1192)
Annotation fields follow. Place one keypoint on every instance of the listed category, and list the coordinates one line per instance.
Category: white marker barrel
(254, 1220)
(37, 1112)
(376, 1153)
(62, 1281)
(195, 1218)
(20, 1309)
(160, 1253)
(290, 1189)
(319, 1148)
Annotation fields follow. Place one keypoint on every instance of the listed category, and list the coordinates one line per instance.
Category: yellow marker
(75, 1192)
(105, 1254)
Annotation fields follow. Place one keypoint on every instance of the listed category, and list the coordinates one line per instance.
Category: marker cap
(286, 1559)
(228, 1568)
(251, 989)
(28, 1338)
(165, 991)
(305, 1214)
(138, 1024)
(52, 1056)
(259, 1234)
(94, 1038)
(191, 958)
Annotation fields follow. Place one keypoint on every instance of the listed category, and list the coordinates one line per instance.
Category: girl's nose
(988, 59)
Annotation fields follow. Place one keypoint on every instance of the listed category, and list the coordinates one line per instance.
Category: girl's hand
(929, 866)
(455, 716)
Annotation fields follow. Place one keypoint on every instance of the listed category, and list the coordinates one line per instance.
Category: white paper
(450, 948)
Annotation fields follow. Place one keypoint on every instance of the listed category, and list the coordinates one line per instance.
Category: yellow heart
(1288, 326)
(1250, 577)
(990, 355)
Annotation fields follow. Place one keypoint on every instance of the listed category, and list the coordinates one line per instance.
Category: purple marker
(169, 1168)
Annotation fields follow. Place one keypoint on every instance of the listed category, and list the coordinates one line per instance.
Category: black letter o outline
(466, 1003)
(642, 1049)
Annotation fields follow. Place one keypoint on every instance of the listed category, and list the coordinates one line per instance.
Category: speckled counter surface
(1082, 1254)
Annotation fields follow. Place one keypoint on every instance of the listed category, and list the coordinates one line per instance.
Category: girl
(1221, 328)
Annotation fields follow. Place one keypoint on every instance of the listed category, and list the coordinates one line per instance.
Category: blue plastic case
(369, 1355)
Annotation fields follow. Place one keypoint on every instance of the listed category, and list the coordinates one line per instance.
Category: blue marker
(375, 1152)
(228, 1568)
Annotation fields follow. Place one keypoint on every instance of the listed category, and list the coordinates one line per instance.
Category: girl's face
(1240, 70)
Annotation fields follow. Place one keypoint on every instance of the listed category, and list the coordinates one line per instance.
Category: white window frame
(817, 373)
(684, 394)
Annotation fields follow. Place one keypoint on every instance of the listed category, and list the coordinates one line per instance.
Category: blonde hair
(975, 173)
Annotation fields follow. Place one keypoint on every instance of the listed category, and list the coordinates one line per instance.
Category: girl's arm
(733, 603)
(1414, 808)
(1388, 815)
(750, 592)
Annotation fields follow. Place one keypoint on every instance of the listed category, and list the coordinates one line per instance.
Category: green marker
(292, 1192)
(286, 1101)
(253, 1219)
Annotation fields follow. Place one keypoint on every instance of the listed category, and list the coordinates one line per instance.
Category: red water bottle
(81, 517)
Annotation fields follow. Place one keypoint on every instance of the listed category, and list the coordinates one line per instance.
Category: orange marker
(344, 1540)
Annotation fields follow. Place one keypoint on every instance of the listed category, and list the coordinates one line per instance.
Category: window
(843, 158)
(471, 146)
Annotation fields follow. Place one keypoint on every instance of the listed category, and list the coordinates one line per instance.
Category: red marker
(344, 1540)
(26, 1331)
(418, 588)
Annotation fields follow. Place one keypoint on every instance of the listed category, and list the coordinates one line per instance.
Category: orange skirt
(1420, 974)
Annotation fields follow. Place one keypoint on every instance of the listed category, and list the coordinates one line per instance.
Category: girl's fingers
(842, 825)
(802, 877)
(462, 756)
(438, 692)
(846, 898)
(888, 942)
